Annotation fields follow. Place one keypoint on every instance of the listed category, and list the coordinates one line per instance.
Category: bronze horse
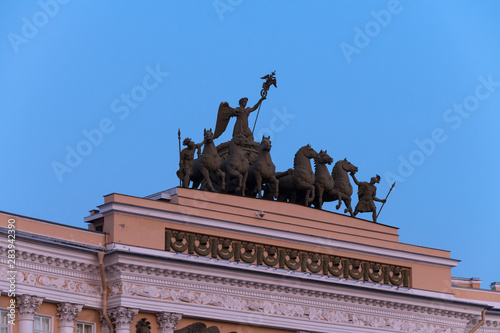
(236, 165)
(298, 187)
(208, 162)
(323, 179)
(342, 188)
(262, 171)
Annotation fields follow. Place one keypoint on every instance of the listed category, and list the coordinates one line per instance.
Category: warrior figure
(241, 113)
(186, 161)
(366, 196)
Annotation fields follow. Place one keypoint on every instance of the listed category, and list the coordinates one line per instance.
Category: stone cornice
(48, 262)
(218, 305)
(285, 291)
(150, 260)
(26, 235)
(274, 234)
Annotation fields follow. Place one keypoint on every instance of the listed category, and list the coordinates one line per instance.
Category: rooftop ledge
(275, 221)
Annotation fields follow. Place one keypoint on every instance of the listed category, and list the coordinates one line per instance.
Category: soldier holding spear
(367, 195)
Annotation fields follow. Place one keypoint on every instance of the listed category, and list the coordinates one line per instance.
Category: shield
(223, 116)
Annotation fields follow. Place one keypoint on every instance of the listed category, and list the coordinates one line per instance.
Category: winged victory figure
(241, 113)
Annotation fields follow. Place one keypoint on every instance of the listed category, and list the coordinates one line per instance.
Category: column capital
(27, 306)
(67, 313)
(167, 321)
(122, 317)
(104, 323)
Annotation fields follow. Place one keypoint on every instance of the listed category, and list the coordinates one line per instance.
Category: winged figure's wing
(223, 116)
(193, 328)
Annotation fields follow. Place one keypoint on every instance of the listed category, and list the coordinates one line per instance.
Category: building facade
(185, 260)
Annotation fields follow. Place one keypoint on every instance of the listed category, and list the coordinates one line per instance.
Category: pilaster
(168, 321)
(122, 318)
(67, 313)
(104, 323)
(27, 307)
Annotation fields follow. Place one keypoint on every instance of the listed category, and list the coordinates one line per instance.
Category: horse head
(308, 152)
(208, 135)
(323, 158)
(348, 166)
(265, 144)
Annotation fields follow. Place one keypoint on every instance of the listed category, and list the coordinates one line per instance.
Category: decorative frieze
(168, 321)
(58, 283)
(152, 290)
(55, 261)
(273, 256)
(393, 318)
(27, 306)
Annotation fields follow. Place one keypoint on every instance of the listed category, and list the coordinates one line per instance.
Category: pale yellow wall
(477, 294)
(476, 285)
(287, 217)
(125, 230)
(53, 230)
(136, 231)
(91, 316)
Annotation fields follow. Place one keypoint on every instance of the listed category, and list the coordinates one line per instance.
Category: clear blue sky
(409, 90)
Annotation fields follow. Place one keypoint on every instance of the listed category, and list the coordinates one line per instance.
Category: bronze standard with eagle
(244, 167)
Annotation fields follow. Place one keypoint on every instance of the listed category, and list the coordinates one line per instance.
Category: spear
(270, 80)
(179, 137)
(386, 198)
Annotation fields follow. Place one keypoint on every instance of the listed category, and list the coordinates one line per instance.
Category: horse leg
(307, 196)
(276, 185)
(311, 194)
(319, 196)
(223, 177)
(234, 173)
(303, 185)
(206, 180)
(244, 183)
(347, 202)
(339, 196)
(258, 181)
